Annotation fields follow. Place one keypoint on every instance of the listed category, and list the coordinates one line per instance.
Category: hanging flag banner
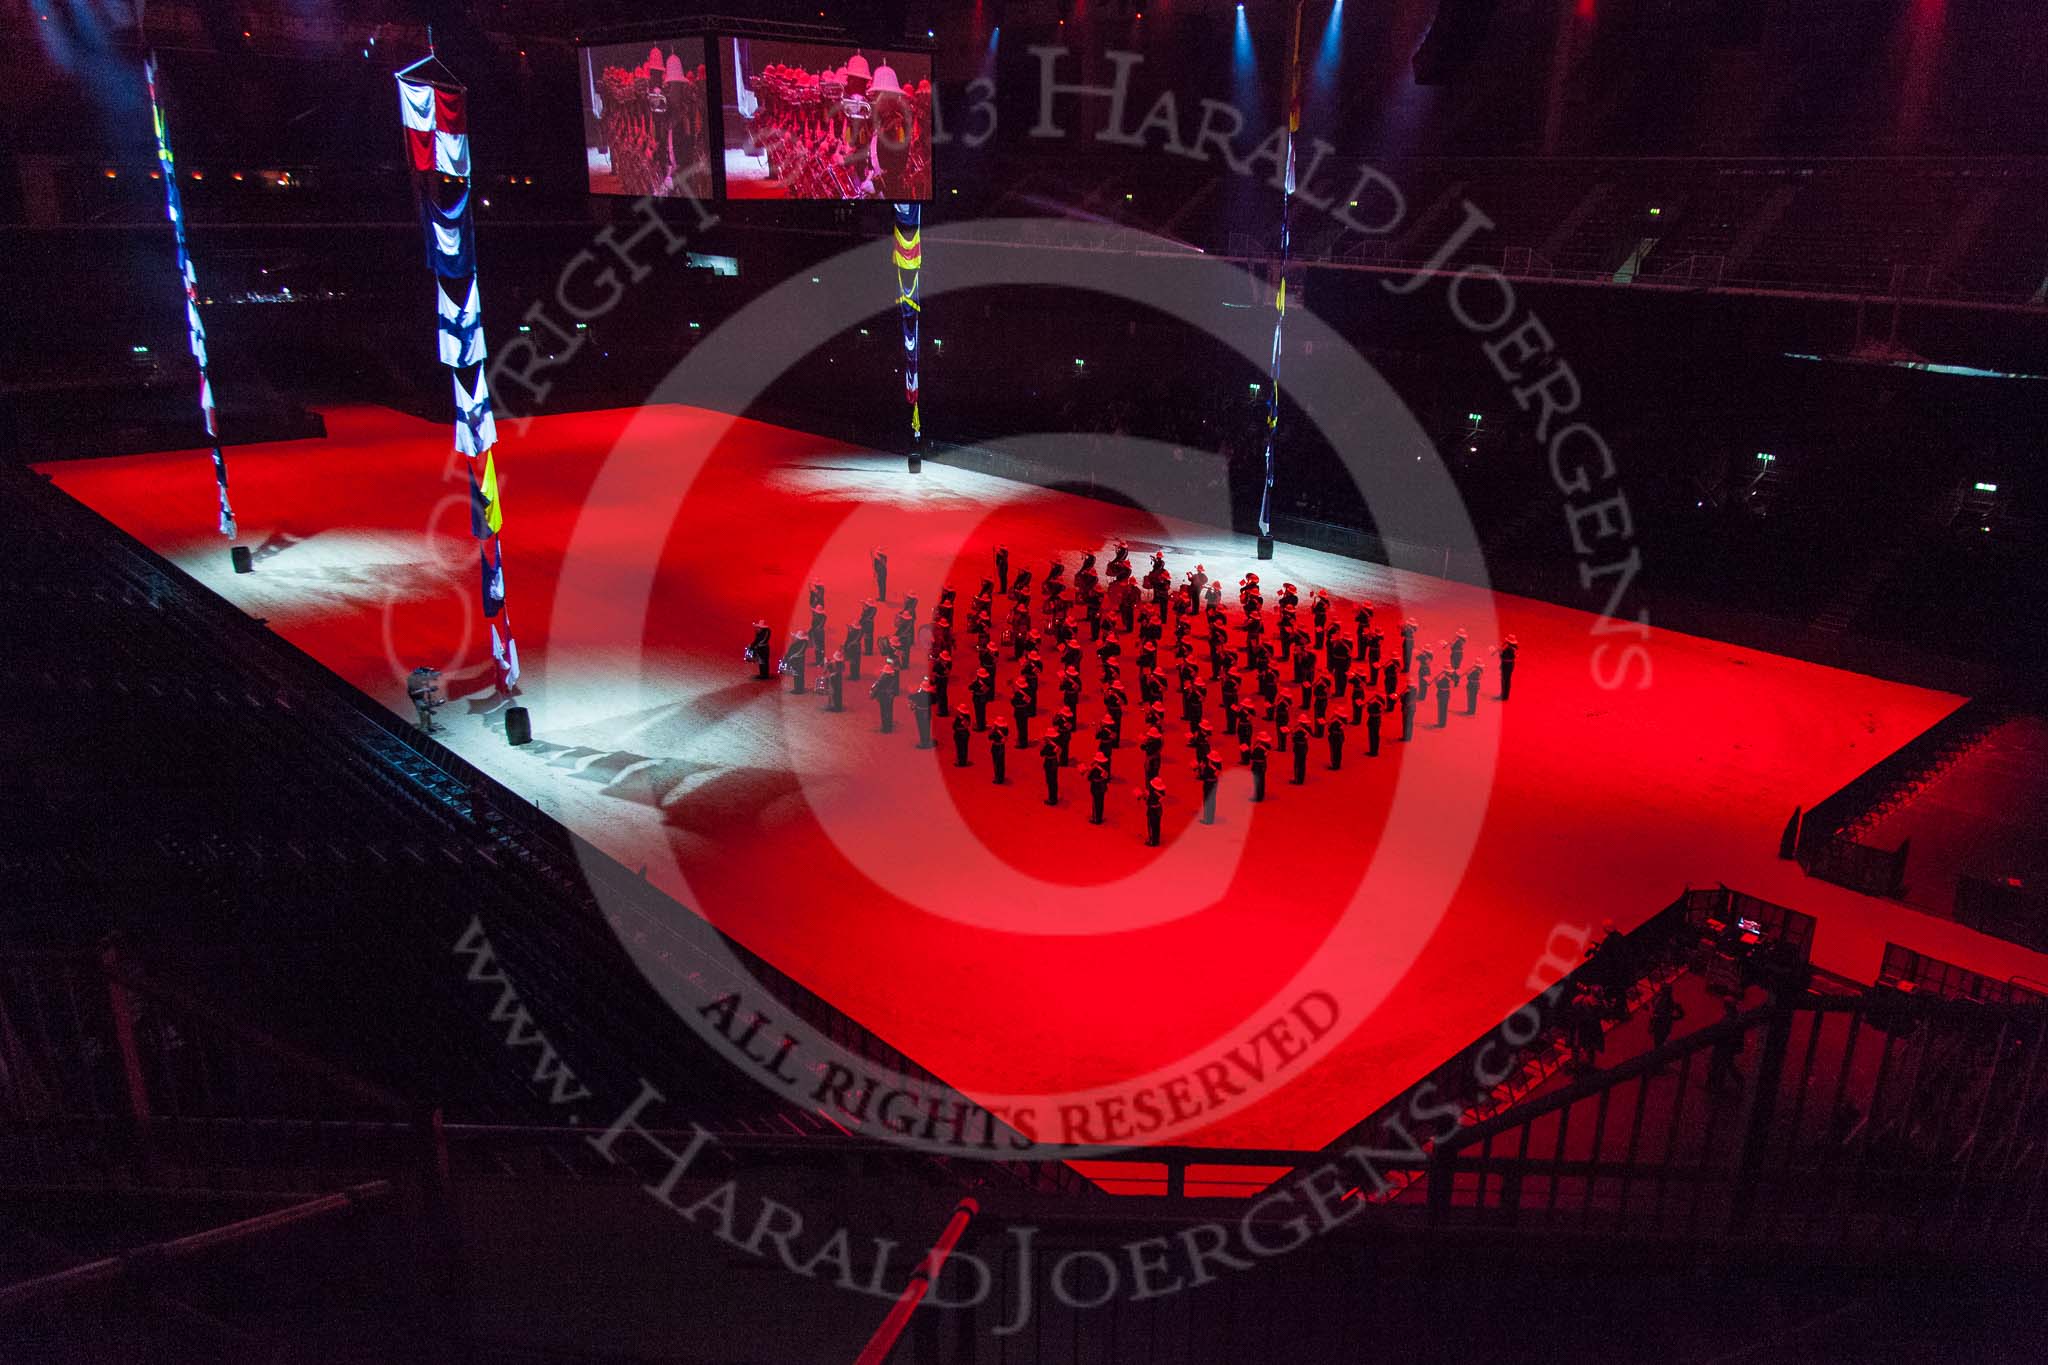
(432, 111)
(909, 258)
(1280, 293)
(189, 281)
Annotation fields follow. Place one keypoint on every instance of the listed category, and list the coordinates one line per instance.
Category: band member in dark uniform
(759, 650)
(1152, 745)
(1375, 642)
(1408, 629)
(1113, 702)
(1472, 687)
(835, 682)
(794, 657)
(1358, 686)
(1319, 700)
(1283, 713)
(942, 681)
(1445, 681)
(818, 627)
(1297, 745)
(963, 729)
(982, 690)
(1003, 569)
(1207, 773)
(884, 692)
(1458, 650)
(1063, 734)
(881, 563)
(906, 634)
(851, 648)
(1098, 787)
(1507, 667)
(1374, 709)
(1049, 759)
(1411, 697)
(999, 750)
(1338, 657)
(1425, 658)
(1155, 808)
(1260, 748)
(921, 712)
(867, 626)
(1105, 738)
(1392, 681)
(1335, 734)
(1021, 710)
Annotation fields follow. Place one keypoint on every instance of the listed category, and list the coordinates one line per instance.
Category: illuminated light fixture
(236, 176)
(814, 279)
(110, 173)
(524, 327)
(937, 342)
(1656, 213)
(1474, 418)
(199, 175)
(696, 326)
(1473, 449)
(1078, 362)
(139, 350)
(156, 175)
(863, 331)
(1254, 387)
(1987, 488)
(1765, 456)
(487, 203)
(1127, 199)
(1354, 203)
(582, 326)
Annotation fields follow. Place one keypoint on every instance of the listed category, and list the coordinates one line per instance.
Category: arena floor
(1009, 945)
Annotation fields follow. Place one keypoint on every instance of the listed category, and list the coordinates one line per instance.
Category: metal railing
(1862, 1121)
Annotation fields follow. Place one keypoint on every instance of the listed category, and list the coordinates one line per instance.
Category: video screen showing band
(646, 120)
(816, 121)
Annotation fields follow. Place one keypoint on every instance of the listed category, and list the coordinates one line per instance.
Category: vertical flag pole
(1280, 292)
(189, 280)
(909, 258)
(432, 107)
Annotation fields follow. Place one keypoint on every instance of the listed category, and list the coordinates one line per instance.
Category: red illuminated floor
(1009, 946)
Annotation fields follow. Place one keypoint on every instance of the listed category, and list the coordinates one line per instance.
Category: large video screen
(818, 121)
(646, 121)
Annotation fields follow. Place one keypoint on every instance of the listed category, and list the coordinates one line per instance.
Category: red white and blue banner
(189, 280)
(433, 112)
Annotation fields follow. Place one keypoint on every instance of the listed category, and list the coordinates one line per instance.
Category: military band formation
(1285, 685)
